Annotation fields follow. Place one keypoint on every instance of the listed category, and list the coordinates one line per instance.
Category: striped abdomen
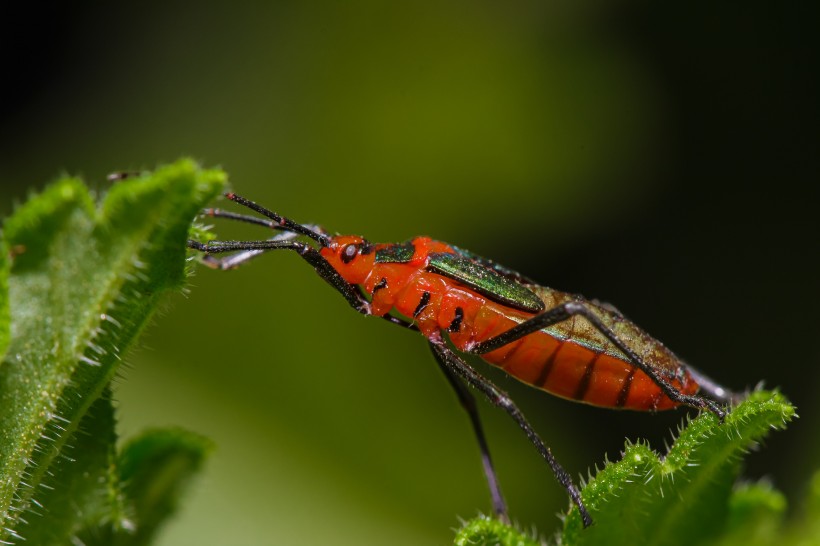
(570, 359)
(574, 360)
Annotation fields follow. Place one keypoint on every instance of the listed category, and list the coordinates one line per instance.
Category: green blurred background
(661, 157)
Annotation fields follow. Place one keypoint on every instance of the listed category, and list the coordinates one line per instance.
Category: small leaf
(755, 516)
(805, 531)
(84, 281)
(486, 531)
(155, 468)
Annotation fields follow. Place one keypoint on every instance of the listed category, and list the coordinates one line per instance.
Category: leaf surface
(84, 279)
(687, 497)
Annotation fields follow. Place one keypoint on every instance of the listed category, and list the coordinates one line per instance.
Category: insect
(551, 340)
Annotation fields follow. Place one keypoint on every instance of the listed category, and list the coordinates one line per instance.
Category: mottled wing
(579, 330)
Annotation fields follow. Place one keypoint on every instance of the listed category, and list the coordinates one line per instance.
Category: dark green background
(661, 157)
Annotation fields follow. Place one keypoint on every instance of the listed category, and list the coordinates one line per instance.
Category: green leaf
(5, 264)
(155, 468)
(755, 516)
(643, 499)
(805, 531)
(486, 531)
(82, 492)
(84, 281)
(684, 498)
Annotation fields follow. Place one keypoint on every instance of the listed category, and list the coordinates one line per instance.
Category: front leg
(467, 401)
(499, 398)
(307, 252)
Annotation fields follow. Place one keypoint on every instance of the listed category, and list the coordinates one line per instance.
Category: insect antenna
(219, 213)
(282, 222)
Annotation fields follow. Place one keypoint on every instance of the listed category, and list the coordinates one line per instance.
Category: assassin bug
(561, 343)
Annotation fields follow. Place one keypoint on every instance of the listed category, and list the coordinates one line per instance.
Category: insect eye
(349, 252)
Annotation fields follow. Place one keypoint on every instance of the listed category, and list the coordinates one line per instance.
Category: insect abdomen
(570, 360)
(567, 369)
(566, 362)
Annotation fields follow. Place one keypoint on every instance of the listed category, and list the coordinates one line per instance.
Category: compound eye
(349, 252)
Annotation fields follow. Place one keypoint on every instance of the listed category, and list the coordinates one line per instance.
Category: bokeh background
(660, 156)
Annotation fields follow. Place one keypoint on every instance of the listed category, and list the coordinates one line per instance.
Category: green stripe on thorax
(396, 253)
(488, 279)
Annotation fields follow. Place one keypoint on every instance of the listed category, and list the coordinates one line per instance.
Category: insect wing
(485, 281)
(497, 267)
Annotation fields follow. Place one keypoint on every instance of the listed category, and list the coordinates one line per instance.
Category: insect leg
(307, 252)
(234, 261)
(241, 258)
(567, 310)
(252, 249)
(467, 401)
(714, 390)
(499, 398)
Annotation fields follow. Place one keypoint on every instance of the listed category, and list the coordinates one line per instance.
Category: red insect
(558, 342)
